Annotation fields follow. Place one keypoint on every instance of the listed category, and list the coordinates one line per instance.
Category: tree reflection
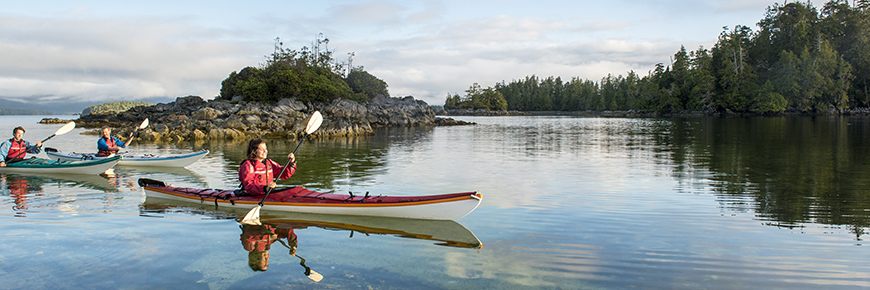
(793, 169)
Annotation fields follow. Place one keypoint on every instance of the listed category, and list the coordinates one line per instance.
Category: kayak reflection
(443, 232)
(95, 182)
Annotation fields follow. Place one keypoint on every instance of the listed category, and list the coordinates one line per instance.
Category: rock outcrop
(192, 118)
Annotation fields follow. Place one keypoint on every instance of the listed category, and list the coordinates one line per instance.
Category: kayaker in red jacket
(257, 172)
(15, 149)
(107, 144)
(258, 239)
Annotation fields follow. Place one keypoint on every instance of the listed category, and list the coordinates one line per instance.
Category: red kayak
(299, 199)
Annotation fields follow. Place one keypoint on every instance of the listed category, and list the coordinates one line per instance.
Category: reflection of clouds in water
(529, 265)
(221, 270)
(529, 162)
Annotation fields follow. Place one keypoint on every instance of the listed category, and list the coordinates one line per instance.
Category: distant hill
(113, 107)
(8, 112)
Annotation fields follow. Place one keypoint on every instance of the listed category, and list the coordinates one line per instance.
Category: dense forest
(799, 60)
(115, 107)
(310, 74)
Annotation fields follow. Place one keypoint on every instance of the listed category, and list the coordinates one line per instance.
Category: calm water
(569, 203)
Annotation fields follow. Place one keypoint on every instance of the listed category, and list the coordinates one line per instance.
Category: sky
(71, 54)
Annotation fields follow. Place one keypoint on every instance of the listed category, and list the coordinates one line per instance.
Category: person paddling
(14, 150)
(257, 172)
(108, 145)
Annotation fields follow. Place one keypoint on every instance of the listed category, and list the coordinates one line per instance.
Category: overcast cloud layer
(53, 52)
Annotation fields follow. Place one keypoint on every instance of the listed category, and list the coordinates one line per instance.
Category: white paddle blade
(144, 124)
(253, 217)
(314, 276)
(66, 128)
(314, 122)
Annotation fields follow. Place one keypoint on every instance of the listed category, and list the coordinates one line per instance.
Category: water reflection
(788, 170)
(164, 173)
(18, 189)
(441, 232)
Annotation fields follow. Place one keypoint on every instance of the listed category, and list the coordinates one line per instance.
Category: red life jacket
(257, 238)
(262, 171)
(110, 142)
(17, 150)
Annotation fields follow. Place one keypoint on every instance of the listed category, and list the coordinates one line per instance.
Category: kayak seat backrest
(143, 182)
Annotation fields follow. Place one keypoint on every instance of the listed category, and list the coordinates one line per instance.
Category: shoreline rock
(193, 119)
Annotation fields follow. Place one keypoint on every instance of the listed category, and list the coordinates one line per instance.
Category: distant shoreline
(633, 113)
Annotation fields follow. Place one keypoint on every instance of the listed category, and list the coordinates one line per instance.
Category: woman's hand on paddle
(292, 158)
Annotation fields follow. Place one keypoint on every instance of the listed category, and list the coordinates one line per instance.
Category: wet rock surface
(192, 118)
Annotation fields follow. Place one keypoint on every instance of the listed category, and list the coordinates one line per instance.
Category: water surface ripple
(569, 203)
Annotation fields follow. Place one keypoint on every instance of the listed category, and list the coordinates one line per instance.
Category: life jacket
(262, 172)
(17, 150)
(110, 142)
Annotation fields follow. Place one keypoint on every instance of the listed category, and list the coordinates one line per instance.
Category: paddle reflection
(257, 239)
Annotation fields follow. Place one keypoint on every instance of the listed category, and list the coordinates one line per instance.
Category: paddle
(63, 130)
(311, 274)
(314, 122)
(141, 126)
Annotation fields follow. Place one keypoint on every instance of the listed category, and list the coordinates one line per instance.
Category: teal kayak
(40, 165)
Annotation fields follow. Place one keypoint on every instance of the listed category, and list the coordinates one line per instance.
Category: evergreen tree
(365, 86)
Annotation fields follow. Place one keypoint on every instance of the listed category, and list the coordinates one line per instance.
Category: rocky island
(191, 118)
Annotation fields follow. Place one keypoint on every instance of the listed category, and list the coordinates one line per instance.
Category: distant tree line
(799, 60)
(310, 74)
(10, 112)
(113, 107)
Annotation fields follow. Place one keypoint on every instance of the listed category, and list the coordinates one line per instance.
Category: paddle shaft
(287, 164)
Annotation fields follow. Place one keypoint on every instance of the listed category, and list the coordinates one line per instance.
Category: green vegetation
(799, 60)
(9, 112)
(477, 98)
(309, 75)
(113, 107)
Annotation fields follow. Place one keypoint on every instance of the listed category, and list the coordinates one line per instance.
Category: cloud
(109, 58)
(424, 49)
(490, 50)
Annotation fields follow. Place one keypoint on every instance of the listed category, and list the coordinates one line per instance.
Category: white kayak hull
(166, 160)
(43, 166)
